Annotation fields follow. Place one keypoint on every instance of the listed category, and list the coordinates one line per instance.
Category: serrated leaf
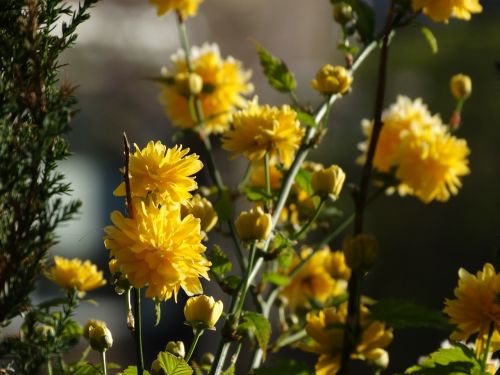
(407, 314)
(157, 312)
(258, 325)
(277, 73)
(132, 370)
(230, 370)
(276, 278)
(455, 360)
(173, 365)
(223, 206)
(303, 179)
(430, 38)
(220, 262)
(288, 367)
(365, 23)
(306, 118)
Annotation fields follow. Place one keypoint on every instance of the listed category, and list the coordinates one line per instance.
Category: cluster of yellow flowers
(428, 160)
(442, 10)
(160, 243)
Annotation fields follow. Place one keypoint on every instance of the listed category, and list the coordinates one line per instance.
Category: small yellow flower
(263, 129)
(164, 172)
(313, 281)
(476, 305)
(158, 249)
(328, 182)
(98, 335)
(360, 251)
(224, 84)
(203, 312)
(332, 80)
(442, 10)
(186, 8)
(202, 209)
(254, 225)
(337, 267)
(326, 331)
(461, 86)
(73, 273)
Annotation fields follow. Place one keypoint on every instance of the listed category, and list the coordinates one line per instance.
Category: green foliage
(276, 278)
(132, 370)
(224, 206)
(430, 38)
(289, 367)
(230, 370)
(256, 194)
(365, 20)
(277, 73)
(173, 365)
(35, 113)
(407, 314)
(220, 262)
(303, 179)
(157, 312)
(456, 360)
(306, 118)
(257, 325)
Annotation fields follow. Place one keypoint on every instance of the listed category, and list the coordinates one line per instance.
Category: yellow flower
(253, 225)
(360, 251)
(328, 181)
(73, 273)
(325, 329)
(224, 84)
(164, 172)
(428, 161)
(332, 80)
(313, 281)
(158, 249)
(184, 7)
(442, 10)
(202, 209)
(476, 306)
(337, 266)
(461, 86)
(98, 335)
(202, 311)
(260, 129)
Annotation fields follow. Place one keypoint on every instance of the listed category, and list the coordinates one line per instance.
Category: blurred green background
(422, 246)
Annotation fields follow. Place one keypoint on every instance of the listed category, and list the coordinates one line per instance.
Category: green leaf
(86, 369)
(132, 370)
(256, 194)
(306, 118)
(365, 23)
(276, 278)
(277, 73)
(303, 179)
(220, 262)
(407, 314)
(430, 38)
(230, 283)
(173, 365)
(72, 330)
(157, 312)
(458, 359)
(288, 367)
(230, 370)
(258, 325)
(223, 206)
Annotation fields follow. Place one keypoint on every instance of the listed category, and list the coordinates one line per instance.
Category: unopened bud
(328, 182)
(379, 358)
(332, 80)
(342, 13)
(45, 331)
(360, 251)
(202, 209)
(253, 225)
(188, 84)
(202, 312)
(176, 348)
(461, 86)
(207, 359)
(98, 335)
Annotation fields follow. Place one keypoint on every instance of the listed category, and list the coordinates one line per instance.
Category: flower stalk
(197, 335)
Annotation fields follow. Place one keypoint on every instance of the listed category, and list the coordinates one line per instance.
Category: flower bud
(114, 266)
(98, 335)
(328, 181)
(202, 312)
(188, 84)
(461, 86)
(207, 359)
(45, 331)
(332, 80)
(342, 13)
(176, 348)
(379, 358)
(253, 225)
(360, 251)
(202, 209)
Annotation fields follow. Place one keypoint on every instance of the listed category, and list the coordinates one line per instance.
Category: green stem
(49, 367)
(484, 359)
(197, 335)
(103, 362)
(138, 331)
(267, 178)
(311, 220)
(245, 283)
(291, 339)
